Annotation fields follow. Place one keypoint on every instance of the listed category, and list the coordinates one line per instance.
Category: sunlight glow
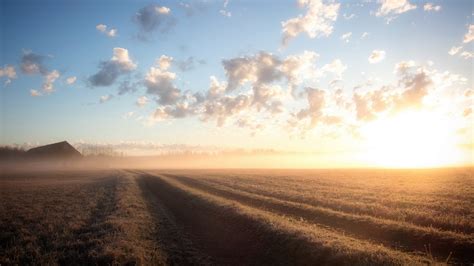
(412, 139)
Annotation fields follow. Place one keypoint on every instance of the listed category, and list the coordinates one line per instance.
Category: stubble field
(239, 217)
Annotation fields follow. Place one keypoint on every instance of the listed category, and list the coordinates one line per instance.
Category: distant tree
(11, 153)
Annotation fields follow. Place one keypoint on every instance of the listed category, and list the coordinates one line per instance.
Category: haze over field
(307, 83)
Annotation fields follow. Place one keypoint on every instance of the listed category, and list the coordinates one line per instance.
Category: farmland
(349, 217)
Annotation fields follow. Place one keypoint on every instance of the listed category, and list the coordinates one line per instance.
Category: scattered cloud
(454, 50)
(142, 101)
(154, 18)
(225, 13)
(32, 63)
(127, 86)
(346, 37)
(105, 98)
(431, 7)
(317, 22)
(159, 82)
(349, 17)
(364, 35)
(376, 56)
(469, 36)
(103, 29)
(71, 80)
(49, 79)
(35, 93)
(467, 55)
(189, 64)
(110, 70)
(9, 72)
(393, 8)
(128, 115)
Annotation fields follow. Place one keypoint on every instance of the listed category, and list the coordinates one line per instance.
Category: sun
(412, 139)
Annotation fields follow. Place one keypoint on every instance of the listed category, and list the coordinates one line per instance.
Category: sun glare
(411, 139)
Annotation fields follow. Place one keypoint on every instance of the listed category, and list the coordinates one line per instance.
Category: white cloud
(105, 98)
(393, 8)
(128, 115)
(9, 72)
(346, 36)
(317, 22)
(142, 101)
(71, 80)
(165, 62)
(467, 55)
(348, 17)
(225, 13)
(469, 36)
(162, 10)
(336, 67)
(35, 93)
(103, 29)
(376, 56)
(49, 79)
(431, 7)
(364, 35)
(110, 70)
(454, 50)
(159, 82)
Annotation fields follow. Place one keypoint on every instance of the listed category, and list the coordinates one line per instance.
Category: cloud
(128, 115)
(376, 56)
(105, 98)
(364, 35)
(154, 17)
(431, 7)
(103, 29)
(49, 79)
(336, 67)
(110, 70)
(349, 17)
(127, 86)
(165, 62)
(261, 68)
(189, 64)
(454, 50)
(9, 72)
(32, 63)
(467, 55)
(159, 81)
(71, 80)
(346, 36)
(317, 22)
(316, 102)
(142, 101)
(35, 93)
(393, 8)
(225, 13)
(469, 36)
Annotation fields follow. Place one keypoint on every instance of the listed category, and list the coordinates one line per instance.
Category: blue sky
(199, 36)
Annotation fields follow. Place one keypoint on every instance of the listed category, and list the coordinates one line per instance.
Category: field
(277, 217)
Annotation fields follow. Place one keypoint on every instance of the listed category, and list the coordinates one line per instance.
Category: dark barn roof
(60, 150)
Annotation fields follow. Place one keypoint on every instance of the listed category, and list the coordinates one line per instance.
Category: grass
(163, 217)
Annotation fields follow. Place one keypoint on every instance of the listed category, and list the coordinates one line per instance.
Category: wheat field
(238, 217)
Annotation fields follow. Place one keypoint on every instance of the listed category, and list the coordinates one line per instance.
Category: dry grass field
(238, 217)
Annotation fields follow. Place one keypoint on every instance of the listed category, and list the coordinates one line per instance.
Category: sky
(381, 82)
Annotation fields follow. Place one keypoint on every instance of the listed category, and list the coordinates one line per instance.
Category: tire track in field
(401, 236)
(232, 233)
(347, 202)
